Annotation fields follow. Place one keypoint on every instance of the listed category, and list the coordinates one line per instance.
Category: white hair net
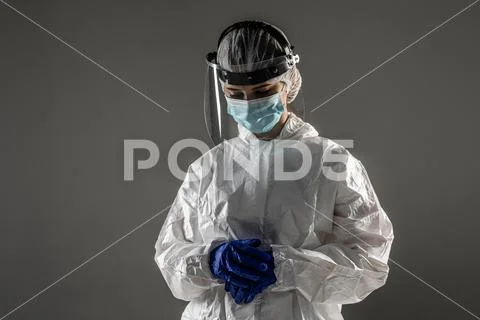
(249, 49)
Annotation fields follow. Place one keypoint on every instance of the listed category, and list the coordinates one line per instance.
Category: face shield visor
(246, 82)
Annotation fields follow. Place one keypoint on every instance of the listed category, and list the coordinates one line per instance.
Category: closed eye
(260, 93)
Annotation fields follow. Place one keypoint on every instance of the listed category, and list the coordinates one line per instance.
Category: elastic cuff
(283, 269)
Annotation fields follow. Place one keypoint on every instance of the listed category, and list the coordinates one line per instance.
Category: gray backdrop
(63, 122)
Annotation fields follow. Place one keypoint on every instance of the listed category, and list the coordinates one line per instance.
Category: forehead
(249, 87)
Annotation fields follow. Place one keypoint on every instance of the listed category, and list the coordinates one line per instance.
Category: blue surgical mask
(258, 115)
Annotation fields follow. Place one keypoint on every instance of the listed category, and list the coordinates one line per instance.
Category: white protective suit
(319, 265)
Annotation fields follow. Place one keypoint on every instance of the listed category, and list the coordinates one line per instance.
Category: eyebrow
(263, 85)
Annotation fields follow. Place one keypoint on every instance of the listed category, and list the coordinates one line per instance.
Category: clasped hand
(246, 270)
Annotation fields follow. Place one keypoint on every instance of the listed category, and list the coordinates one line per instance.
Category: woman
(240, 241)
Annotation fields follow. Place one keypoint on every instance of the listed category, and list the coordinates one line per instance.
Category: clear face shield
(242, 84)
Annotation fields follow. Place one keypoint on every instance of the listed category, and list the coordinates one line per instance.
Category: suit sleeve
(352, 262)
(180, 253)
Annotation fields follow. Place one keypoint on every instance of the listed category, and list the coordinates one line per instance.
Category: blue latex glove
(246, 295)
(246, 270)
(239, 263)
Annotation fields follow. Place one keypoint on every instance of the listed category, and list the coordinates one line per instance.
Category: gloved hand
(238, 261)
(245, 269)
(246, 295)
